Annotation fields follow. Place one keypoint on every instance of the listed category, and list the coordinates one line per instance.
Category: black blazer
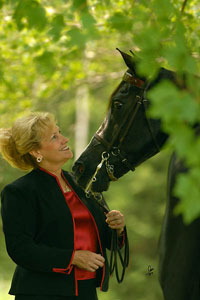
(38, 228)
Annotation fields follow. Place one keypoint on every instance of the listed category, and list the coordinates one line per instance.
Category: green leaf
(188, 190)
(79, 5)
(170, 103)
(120, 21)
(30, 13)
(190, 65)
(2, 2)
(77, 37)
(88, 20)
(182, 137)
(162, 11)
(46, 64)
(192, 155)
(178, 52)
(89, 26)
(57, 25)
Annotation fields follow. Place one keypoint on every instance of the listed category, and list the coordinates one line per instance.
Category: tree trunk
(82, 120)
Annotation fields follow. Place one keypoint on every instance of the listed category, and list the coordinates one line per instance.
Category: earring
(39, 159)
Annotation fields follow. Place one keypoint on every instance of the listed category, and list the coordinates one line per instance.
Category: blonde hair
(24, 136)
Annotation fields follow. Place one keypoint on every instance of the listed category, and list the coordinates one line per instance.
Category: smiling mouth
(66, 148)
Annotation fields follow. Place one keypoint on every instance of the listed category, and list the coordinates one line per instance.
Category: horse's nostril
(81, 169)
(78, 168)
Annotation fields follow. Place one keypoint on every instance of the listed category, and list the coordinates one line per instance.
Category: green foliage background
(51, 48)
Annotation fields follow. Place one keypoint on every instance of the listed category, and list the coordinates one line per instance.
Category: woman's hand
(88, 260)
(115, 220)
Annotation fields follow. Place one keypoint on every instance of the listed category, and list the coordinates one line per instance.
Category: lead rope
(115, 250)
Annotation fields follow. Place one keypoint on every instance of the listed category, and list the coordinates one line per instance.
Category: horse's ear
(129, 61)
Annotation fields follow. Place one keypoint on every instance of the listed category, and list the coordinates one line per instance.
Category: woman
(55, 235)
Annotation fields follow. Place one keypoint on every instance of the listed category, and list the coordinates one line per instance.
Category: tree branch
(183, 6)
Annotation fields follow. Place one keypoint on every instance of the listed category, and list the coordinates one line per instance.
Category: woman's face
(54, 149)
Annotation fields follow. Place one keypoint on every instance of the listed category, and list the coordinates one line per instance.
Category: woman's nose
(64, 139)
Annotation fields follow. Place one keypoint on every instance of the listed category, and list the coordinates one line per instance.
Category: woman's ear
(35, 153)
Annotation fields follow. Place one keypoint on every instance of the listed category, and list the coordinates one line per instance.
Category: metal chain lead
(104, 157)
(110, 171)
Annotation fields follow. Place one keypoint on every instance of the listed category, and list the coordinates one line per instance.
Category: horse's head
(127, 137)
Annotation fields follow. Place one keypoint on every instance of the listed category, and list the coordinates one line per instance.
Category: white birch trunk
(82, 120)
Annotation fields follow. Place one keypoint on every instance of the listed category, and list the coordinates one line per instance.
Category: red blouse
(85, 231)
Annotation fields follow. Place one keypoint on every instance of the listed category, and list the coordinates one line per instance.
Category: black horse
(126, 138)
(127, 135)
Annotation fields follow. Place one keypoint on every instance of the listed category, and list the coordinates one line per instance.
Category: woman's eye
(54, 137)
(117, 105)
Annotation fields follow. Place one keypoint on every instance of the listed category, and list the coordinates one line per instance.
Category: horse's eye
(124, 89)
(117, 104)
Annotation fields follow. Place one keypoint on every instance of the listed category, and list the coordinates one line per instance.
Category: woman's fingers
(97, 263)
(99, 259)
(115, 219)
(88, 260)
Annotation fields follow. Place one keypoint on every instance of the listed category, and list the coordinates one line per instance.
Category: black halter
(140, 101)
